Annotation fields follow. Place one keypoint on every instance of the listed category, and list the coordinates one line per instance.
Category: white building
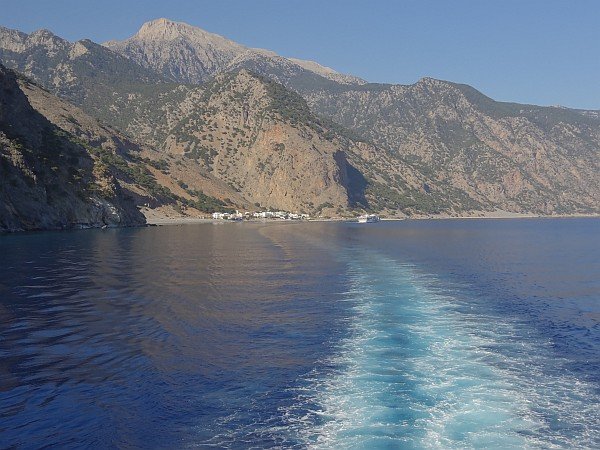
(236, 216)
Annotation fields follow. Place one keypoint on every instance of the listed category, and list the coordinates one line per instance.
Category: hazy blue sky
(532, 51)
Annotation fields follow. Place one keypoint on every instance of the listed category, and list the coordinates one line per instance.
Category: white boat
(369, 218)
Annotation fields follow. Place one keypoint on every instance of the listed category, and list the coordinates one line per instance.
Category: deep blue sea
(416, 334)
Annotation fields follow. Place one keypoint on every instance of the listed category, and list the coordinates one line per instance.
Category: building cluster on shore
(275, 215)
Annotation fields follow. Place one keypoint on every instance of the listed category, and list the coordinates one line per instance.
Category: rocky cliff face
(48, 177)
(262, 140)
(433, 147)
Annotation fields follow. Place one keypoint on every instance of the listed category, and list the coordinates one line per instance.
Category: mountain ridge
(432, 147)
(189, 54)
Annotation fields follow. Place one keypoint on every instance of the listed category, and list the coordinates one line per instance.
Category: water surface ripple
(440, 334)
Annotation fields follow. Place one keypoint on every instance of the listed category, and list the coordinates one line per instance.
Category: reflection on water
(147, 335)
(246, 333)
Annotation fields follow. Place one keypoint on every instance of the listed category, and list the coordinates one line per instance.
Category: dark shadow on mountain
(357, 185)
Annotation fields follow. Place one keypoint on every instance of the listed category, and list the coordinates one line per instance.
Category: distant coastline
(160, 221)
(156, 220)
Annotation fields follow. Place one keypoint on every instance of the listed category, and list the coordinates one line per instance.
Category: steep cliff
(263, 141)
(48, 176)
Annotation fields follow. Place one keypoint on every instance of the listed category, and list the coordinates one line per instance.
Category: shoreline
(170, 221)
(162, 221)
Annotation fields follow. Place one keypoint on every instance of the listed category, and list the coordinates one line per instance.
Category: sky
(544, 52)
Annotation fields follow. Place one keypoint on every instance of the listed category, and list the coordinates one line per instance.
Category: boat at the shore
(369, 218)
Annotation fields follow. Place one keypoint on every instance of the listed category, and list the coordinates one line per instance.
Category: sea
(414, 334)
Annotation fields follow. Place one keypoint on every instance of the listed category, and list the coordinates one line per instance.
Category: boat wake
(425, 366)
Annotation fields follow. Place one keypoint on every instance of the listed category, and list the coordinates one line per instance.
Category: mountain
(263, 140)
(163, 56)
(60, 168)
(251, 134)
(49, 178)
(434, 147)
(519, 158)
(190, 55)
(178, 51)
(84, 73)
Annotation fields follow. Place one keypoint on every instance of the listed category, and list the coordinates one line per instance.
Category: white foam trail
(423, 368)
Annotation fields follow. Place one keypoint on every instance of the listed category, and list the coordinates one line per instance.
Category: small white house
(236, 216)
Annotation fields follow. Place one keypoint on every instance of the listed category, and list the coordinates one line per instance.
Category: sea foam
(426, 366)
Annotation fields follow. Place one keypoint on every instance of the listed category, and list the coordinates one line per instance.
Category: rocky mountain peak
(17, 41)
(178, 50)
(168, 30)
(243, 85)
(189, 54)
(42, 33)
(45, 37)
(429, 82)
(51, 42)
(12, 40)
